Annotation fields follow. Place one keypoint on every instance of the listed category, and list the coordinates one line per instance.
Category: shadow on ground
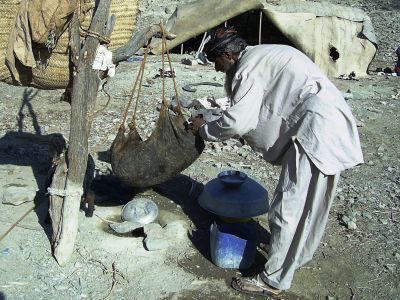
(37, 152)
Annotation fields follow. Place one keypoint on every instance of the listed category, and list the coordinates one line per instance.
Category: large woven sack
(49, 17)
(52, 71)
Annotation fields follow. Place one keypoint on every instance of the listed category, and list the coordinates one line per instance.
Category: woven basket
(8, 10)
(55, 74)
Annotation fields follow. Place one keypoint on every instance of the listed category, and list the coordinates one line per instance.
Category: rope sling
(169, 150)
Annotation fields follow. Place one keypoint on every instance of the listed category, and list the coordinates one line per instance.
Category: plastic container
(235, 220)
(233, 245)
(232, 178)
(249, 199)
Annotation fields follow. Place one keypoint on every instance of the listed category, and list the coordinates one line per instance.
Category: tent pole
(181, 48)
(259, 28)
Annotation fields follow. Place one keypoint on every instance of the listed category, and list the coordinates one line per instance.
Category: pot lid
(135, 214)
(140, 210)
(249, 199)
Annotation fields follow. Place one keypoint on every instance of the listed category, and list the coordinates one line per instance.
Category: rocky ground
(358, 258)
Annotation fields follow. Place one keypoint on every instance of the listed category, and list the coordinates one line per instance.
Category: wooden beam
(138, 40)
(84, 94)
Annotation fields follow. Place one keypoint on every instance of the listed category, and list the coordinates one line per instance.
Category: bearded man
(284, 107)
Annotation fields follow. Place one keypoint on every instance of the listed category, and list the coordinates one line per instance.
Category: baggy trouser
(298, 216)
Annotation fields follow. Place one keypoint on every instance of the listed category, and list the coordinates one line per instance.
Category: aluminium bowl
(140, 210)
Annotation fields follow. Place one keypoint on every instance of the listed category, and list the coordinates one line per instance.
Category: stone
(389, 169)
(16, 194)
(345, 219)
(367, 215)
(360, 123)
(177, 230)
(351, 225)
(189, 62)
(152, 229)
(384, 221)
(348, 95)
(154, 244)
(390, 267)
(61, 287)
(362, 200)
(155, 237)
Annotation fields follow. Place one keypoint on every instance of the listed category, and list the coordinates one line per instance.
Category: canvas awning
(338, 39)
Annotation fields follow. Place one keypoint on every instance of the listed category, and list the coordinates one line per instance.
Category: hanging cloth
(169, 150)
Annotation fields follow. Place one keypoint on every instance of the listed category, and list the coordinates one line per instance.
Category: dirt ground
(359, 257)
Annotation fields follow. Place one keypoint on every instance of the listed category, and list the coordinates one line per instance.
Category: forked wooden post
(84, 93)
(67, 184)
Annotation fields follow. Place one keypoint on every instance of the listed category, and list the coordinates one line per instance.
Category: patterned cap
(218, 40)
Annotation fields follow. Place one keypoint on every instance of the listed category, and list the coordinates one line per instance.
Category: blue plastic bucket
(233, 245)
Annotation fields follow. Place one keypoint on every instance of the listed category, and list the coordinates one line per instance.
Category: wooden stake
(260, 27)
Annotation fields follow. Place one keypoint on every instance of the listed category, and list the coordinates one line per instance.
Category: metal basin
(135, 214)
(140, 210)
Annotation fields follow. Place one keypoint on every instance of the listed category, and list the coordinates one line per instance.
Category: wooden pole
(84, 94)
(260, 28)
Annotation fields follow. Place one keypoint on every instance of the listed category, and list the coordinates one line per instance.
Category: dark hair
(224, 39)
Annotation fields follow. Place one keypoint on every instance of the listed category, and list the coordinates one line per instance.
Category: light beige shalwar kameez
(288, 110)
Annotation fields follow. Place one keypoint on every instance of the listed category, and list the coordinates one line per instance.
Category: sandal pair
(263, 289)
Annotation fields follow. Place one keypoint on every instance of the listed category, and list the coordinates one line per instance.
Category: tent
(339, 39)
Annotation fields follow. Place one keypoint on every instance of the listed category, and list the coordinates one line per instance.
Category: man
(285, 108)
(397, 66)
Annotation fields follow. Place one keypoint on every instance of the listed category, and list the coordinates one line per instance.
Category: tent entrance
(248, 25)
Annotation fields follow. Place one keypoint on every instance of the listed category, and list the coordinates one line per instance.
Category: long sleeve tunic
(279, 95)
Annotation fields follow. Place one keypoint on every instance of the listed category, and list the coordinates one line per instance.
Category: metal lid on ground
(135, 214)
(247, 199)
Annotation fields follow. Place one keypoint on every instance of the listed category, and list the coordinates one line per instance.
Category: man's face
(223, 63)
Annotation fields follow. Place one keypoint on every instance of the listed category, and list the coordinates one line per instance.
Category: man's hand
(195, 124)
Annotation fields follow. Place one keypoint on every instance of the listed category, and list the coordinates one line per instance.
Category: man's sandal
(254, 286)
